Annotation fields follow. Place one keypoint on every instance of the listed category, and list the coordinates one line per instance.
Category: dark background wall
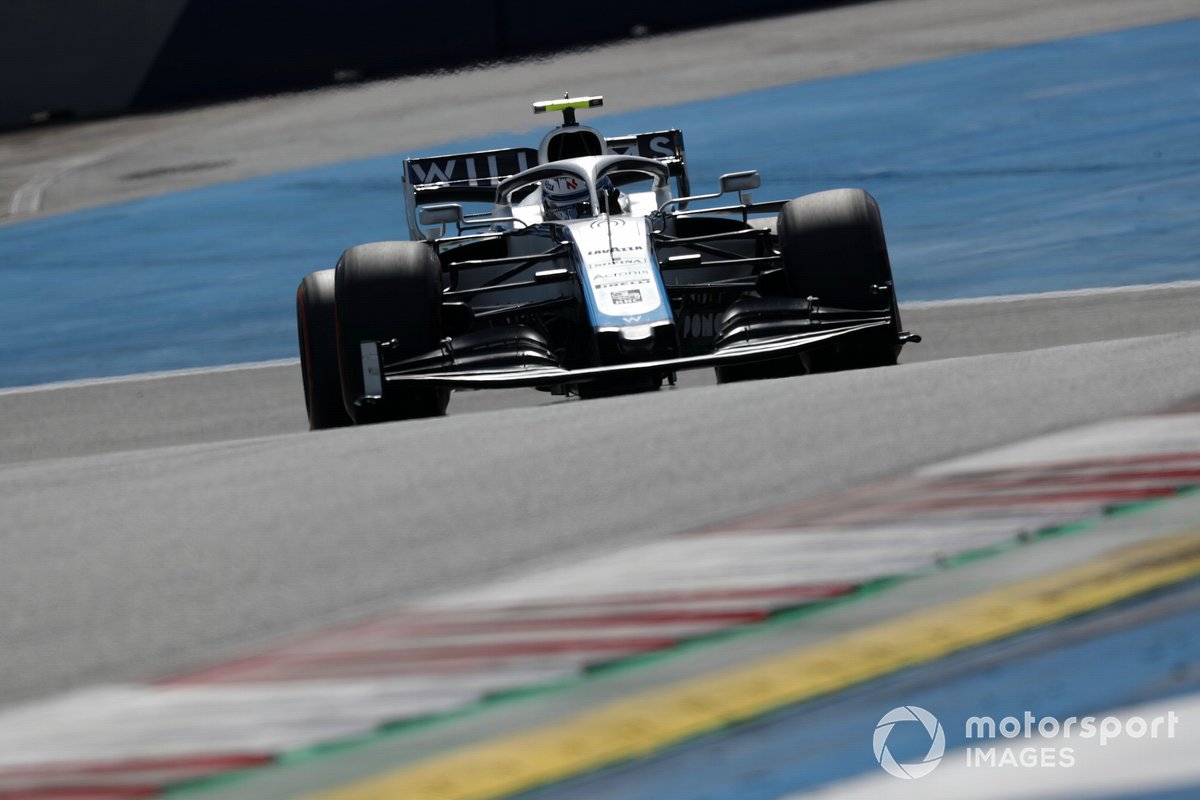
(63, 58)
(67, 58)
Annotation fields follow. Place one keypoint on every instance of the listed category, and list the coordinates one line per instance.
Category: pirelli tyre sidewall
(316, 324)
(833, 248)
(388, 291)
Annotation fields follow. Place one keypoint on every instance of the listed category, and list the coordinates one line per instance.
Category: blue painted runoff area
(1056, 672)
(1069, 164)
(1180, 793)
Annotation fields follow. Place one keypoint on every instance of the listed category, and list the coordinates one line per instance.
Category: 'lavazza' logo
(912, 769)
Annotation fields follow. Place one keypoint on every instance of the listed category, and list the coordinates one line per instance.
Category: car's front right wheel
(316, 325)
(388, 292)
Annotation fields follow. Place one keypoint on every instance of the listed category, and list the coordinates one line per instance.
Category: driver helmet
(565, 198)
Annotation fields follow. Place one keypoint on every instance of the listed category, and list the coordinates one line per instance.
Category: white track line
(27, 199)
(149, 376)
(1066, 294)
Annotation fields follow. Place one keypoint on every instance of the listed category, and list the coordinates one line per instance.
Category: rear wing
(663, 146)
(473, 177)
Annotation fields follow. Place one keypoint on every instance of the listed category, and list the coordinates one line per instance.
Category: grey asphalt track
(134, 564)
(150, 526)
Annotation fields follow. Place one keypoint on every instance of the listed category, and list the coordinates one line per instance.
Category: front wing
(540, 375)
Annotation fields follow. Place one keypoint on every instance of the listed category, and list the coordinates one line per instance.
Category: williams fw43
(587, 267)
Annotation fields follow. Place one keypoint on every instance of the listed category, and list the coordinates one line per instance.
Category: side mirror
(442, 214)
(740, 181)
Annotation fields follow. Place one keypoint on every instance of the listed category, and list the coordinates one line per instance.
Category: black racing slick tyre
(388, 291)
(833, 249)
(316, 324)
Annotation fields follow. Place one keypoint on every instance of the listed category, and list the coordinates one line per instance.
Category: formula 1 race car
(576, 268)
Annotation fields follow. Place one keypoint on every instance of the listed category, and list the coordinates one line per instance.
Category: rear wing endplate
(665, 147)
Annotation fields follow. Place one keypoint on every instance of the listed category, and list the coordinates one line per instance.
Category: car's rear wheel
(833, 248)
(388, 291)
(316, 324)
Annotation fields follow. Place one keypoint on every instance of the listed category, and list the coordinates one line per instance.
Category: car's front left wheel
(833, 248)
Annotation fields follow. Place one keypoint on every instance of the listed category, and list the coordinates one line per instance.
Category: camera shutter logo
(914, 769)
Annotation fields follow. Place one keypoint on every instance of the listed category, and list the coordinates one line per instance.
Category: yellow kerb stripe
(650, 721)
